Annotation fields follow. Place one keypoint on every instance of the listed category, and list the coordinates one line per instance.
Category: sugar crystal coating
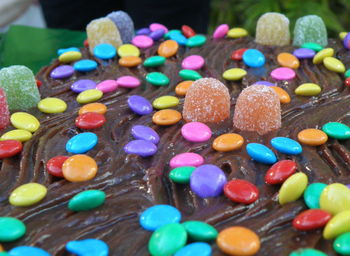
(310, 29)
(207, 100)
(257, 109)
(124, 24)
(4, 110)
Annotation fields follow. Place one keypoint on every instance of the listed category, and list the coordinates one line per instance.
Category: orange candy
(238, 241)
(79, 168)
(312, 137)
(228, 142)
(257, 109)
(166, 117)
(130, 61)
(93, 107)
(168, 48)
(207, 101)
(182, 88)
(282, 94)
(1, 248)
(288, 60)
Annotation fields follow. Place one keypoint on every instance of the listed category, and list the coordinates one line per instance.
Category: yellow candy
(128, 50)
(234, 74)
(69, 56)
(88, 96)
(342, 35)
(52, 105)
(337, 225)
(165, 102)
(334, 64)
(28, 194)
(335, 198)
(292, 188)
(318, 58)
(18, 134)
(308, 89)
(25, 121)
(237, 32)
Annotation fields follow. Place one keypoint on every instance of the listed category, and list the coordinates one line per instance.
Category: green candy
(337, 130)
(347, 73)
(181, 174)
(312, 46)
(196, 41)
(200, 231)
(342, 244)
(307, 252)
(187, 74)
(312, 195)
(11, 229)
(154, 61)
(173, 31)
(310, 29)
(157, 79)
(87, 200)
(167, 240)
(4, 254)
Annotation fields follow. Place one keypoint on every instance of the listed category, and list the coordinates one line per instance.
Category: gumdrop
(310, 29)
(207, 101)
(124, 24)
(20, 87)
(257, 109)
(272, 28)
(4, 111)
(102, 31)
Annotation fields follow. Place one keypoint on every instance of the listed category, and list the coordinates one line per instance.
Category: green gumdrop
(312, 195)
(87, 200)
(337, 130)
(310, 29)
(342, 244)
(20, 87)
(11, 229)
(187, 74)
(307, 252)
(181, 174)
(154, 61)
(200, 231)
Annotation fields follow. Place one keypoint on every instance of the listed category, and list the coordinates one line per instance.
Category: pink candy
(128, 82)
(142, 41)
(107, 86)
(283, 74)
(196, 132)
(221, 31)
(193, 62)
(156, 26)
(186, 159)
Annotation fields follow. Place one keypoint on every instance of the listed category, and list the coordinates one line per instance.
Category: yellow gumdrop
(69, 56)
(165, 102)
(90, 95)
(292, 188)
(233, 74)
(338, 225)
(52, 105)
(335, 198)
(334, 64)
(28, 194)
(17, 134)
(25, 121)
(308, 89)
(342, 35)
(126, 50)
(318, 58)
(237, 32)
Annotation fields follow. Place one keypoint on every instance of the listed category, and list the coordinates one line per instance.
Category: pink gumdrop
(283, 73)
(156, 26)
(4, 110)
(142, 41)
(196, 132)
(221, 31)
(193, 62)
(128, 82)
(186, 159)
(107, 86)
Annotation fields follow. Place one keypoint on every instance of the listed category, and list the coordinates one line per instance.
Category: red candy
(38, 83)
(4, 111)
(241, 191)
(347, 82)
(54, 165)
(311, 219)
(237, 54)
(90, 120)
(86, 43)
(187, 31)
(10, 148)
(280, 171)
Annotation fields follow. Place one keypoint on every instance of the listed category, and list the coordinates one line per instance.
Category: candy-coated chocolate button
(311, 219)
(165, 102)
(154, 61)
(196, 41)
(27, 194)
(288, 60)
(187, 74)
(69, 56)
(234, 74)
(69, 49)
(171, 32)
(157, 34)
(308, 89)
(157, 79)
(283, 73)
(11, 229)
(156, 26)
(179, 38)
(238, 241)
(347, 73)
(83, 85)
(141, 132)
(182, 88)
(90, 120)
(129, 61)
(82, 142)
(54, 165)
(282, 94)
(166, 117)
(307, 252)
(86, 247)
(342, 244)
(128, 82)
(312, 137)
(87, 200)
(27, 251)
(79, 168)
(280, 171)
(142, 41)
(93, 107)
(18, 134)
(193, 62)
(61, 72)
(319, 57)
(200, 231)
(187, 31)
(168, 48)
(292, 188)
(334, 64)
(220, 31)
(89, 96)
(158, 216)
(107, 86)
(312, 195)
(335, 198)
(143, 148)
(105, 51)
(313, 46)
(237, 33)
(253, 58)
(261, 153)
(196, 132)
(186, 159)
(286, 145)
(9, 148)
(52, 105)
(304, 53)
(347, 82)
(241, 191)
(85, 65)
(339, 224)
(182, 174)
(337, 130)
(228, 142)
(25, 121)
(140, 105)
(198, 248)
(238, 54)
(128, 50)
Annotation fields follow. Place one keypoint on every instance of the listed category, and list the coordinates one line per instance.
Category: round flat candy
(196, 132)
(312, 195)
(200, 231)
(173, 31)
(266, 83)
(52, 105)
(312, 137)
(342, 244)
(17, 134)
(188, 74)
(283, 73)
(142, 41)
(93, 107)
(154, 61)
(79, 168)
(304, 53)
(105, 51)
(141, 148)
(334, 64)
(70, 56)
(93, 247)
(307, 252)
(179, 38)
(221, 31)
(157, 34)
(166, 117)
(234, 74)
(83, 85)
(261, 153)
(168, 48)
(157, 79)
(82, 142)
(130, 61)
(11, 229)
(311, 219)
(87, 200)
(69, 49)
(85, 65)
(25, 121)
(339, 224)
(237, 33)
(280, 171)
(282, 94)
(285, 59)
(158, 216)
(196, 41)
(186, 159)
(61, 72)
(193, 62)
(143, 31)
(182, 88)
(164, 102)
(228, 142)
(313, 46)
(54, 165)
(28, 251)
(9, 148)
(27, 194)
(187, 31)
(335, 198)
(140, 105)
(156, 26)
(181, 174)
(286, 145)
(238, 54)
(319, 57)
(308, 89)
(90, 95)
(90, 120)
(107, 86)
(241, 191)
(128, 50)
(128, 82)
(198, 248)
(253, 58)
(292, 188)
(141, 132)
(337, 130)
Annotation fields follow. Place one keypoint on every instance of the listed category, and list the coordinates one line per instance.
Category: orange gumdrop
(257, 109)
(207, 101)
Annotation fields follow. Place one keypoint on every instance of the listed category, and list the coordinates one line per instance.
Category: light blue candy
(253, 58)
(82, 143)
(70, 49)
(261, 153)
(105, 51)
(85, 65)
(286, 145)
(179, 38)
(27, 251)
(88, 247)
(312, 195)
(158, 216)
(173, 31)
(198, 248)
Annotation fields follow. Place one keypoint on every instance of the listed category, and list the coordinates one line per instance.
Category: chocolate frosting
(133, 184)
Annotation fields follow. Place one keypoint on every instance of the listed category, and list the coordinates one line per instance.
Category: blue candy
(198, 248)
(286, 145)
(179, 38)
(88, 247)
(261, 153)
(105, 51)
(142, 132)
(85, 65)
(70, 49)
(27, 251)
(158, 216)
(253, 58)
(82, 143)
(140, 105)
(171, 32)
(124, 24)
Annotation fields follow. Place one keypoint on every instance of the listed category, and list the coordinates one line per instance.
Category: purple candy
(348, 186)
(63, 71)
(124, 24)
(143, 31)
(142, 148)
(158, 34)
(207, 181)
(346, 41)
(140, 105)
(83, 85)
(304, 53)
(142, 132)
(266, 83)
